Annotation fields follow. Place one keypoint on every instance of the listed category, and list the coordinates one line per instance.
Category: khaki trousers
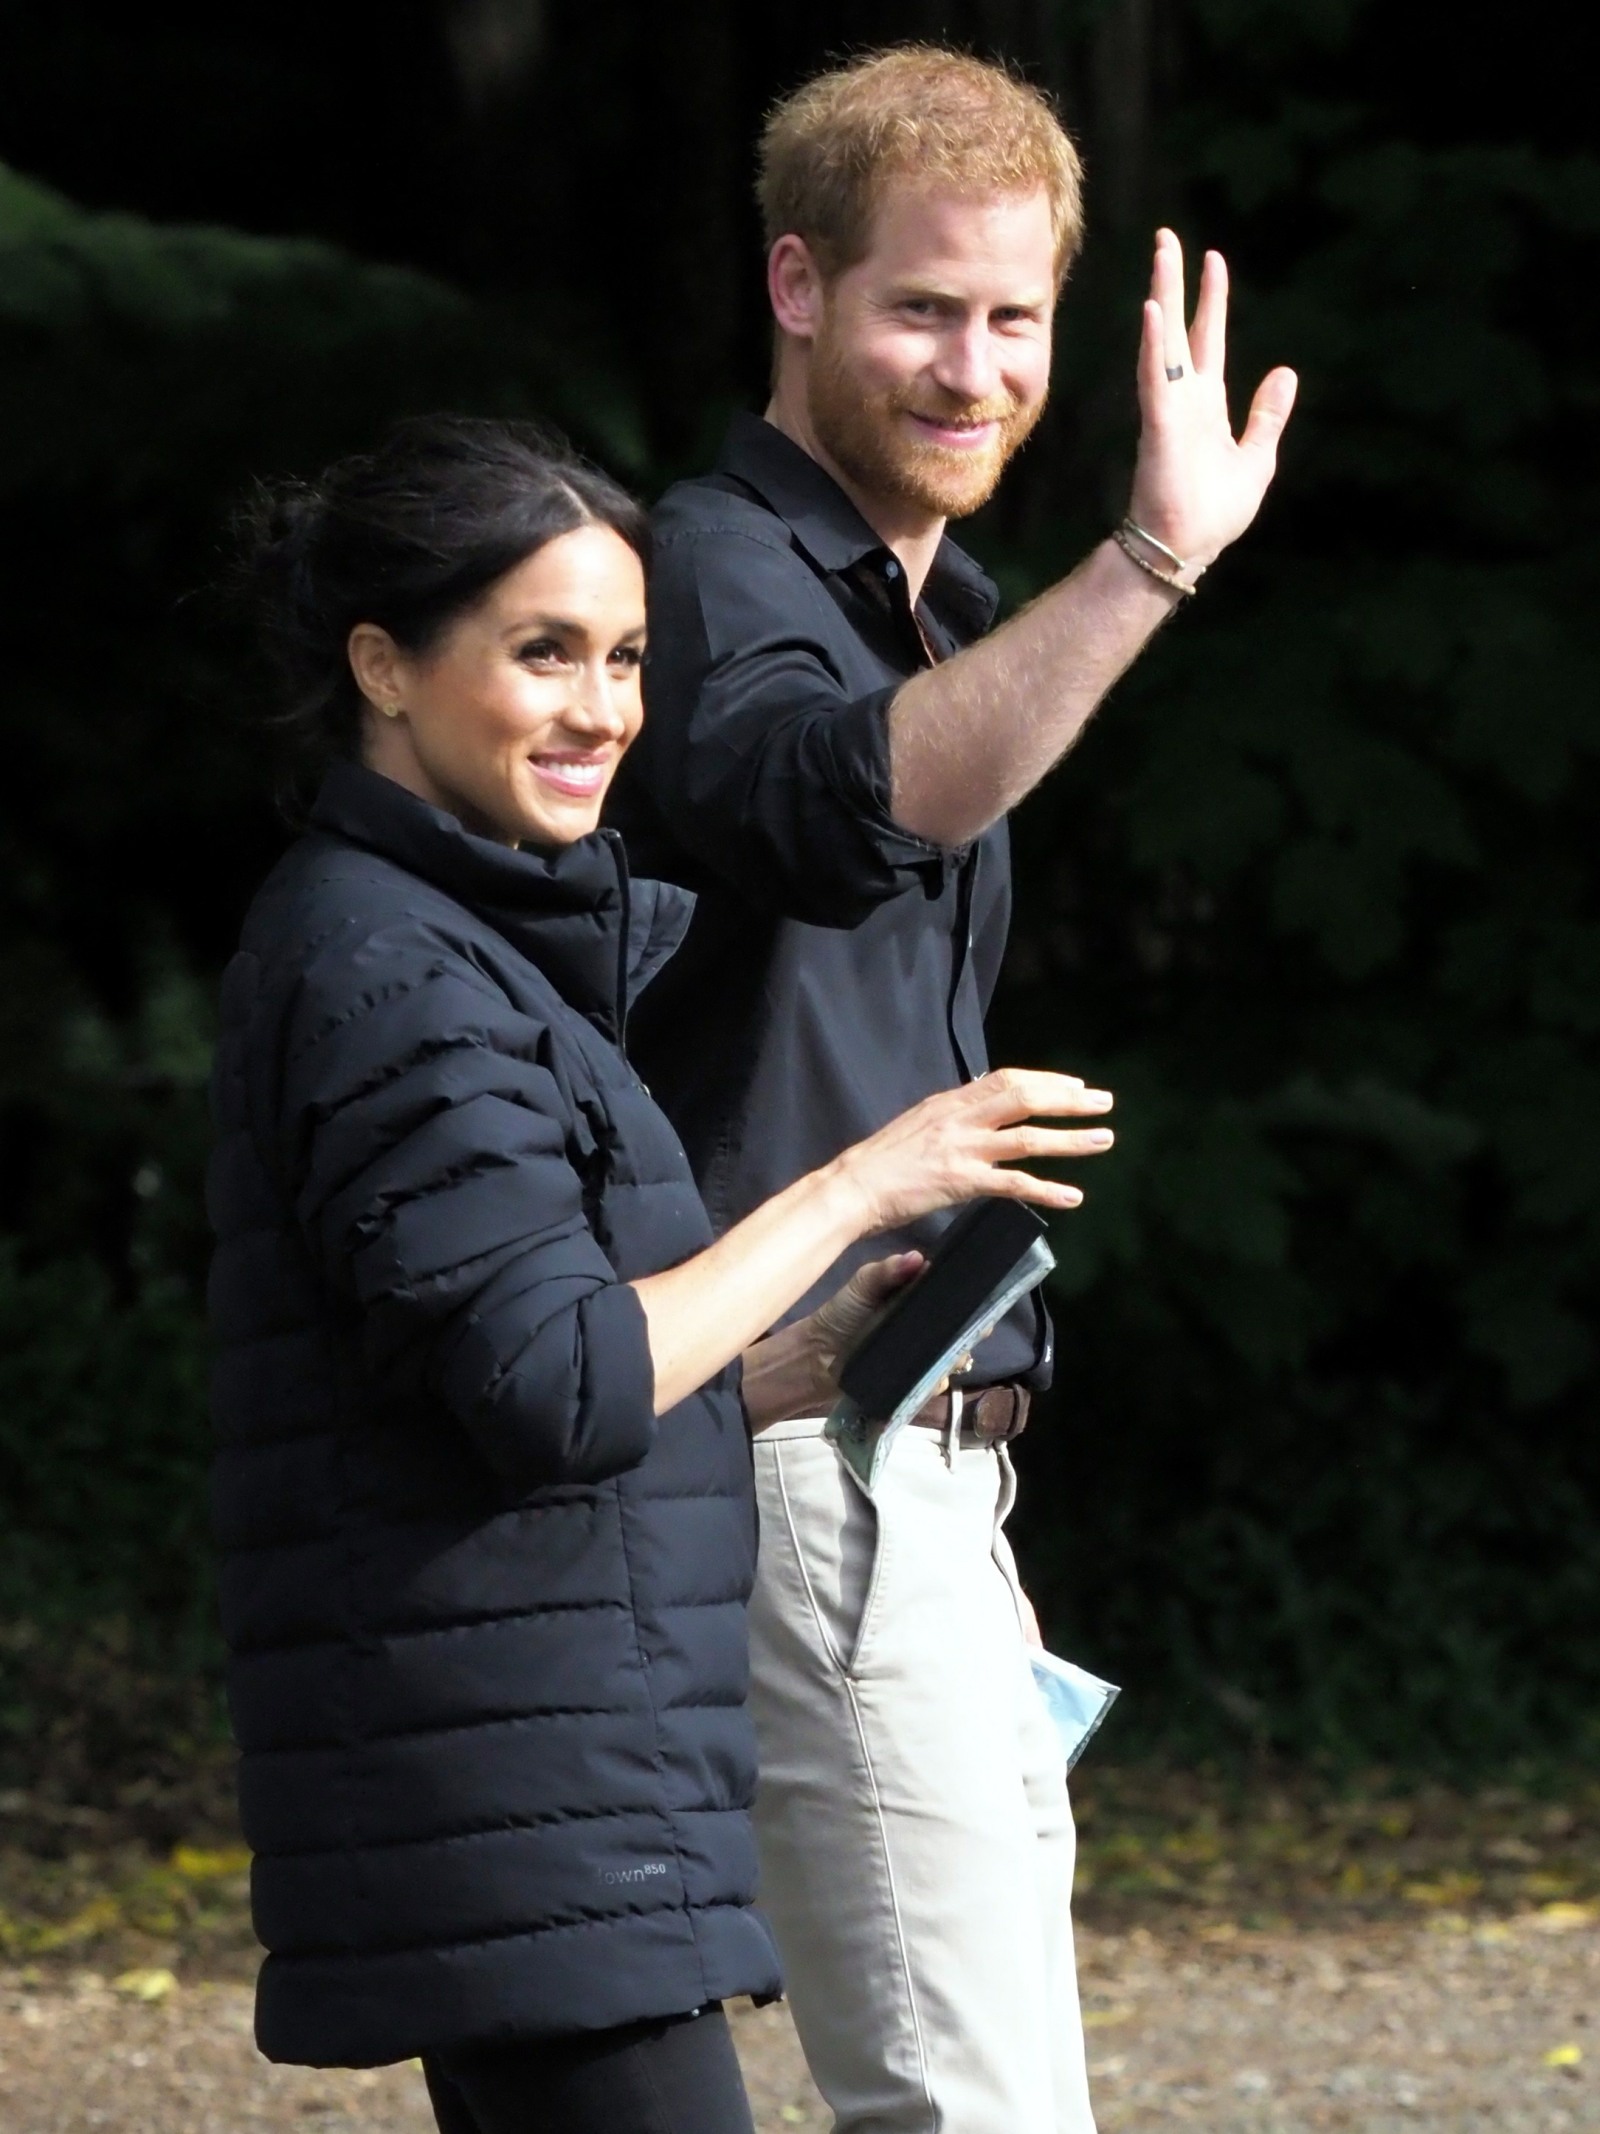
(915, 1834)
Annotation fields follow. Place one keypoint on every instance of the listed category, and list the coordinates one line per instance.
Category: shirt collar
(828, 527)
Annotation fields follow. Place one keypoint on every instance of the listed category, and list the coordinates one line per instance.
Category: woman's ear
(375, 661)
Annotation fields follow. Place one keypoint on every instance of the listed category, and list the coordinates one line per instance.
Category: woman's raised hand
(951, 1147)
(956, 1146)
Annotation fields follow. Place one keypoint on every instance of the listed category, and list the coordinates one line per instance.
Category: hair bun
(292, 509)
(277, 531)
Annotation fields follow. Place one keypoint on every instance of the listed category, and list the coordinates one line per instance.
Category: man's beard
(869, 441)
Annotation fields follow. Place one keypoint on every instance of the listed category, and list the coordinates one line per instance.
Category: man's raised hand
(1196, 487)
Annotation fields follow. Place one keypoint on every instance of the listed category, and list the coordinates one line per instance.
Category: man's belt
(993, 1417)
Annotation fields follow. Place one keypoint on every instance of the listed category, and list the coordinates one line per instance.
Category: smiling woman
(484, 1485)
(517, 719)
(434, 582)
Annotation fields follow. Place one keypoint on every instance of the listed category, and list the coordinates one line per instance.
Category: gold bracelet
(1166, 578)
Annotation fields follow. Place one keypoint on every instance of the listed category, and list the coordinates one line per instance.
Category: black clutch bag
(993, 1253)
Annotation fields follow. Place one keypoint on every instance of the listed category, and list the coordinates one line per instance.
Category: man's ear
(795, 287)
(375, 662)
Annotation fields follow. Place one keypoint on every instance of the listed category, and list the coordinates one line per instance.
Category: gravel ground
(1452, 2028)
(1256, 1958)
(77, 2055)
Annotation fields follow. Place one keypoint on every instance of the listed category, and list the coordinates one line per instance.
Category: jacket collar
(571, 909)
(828, 527)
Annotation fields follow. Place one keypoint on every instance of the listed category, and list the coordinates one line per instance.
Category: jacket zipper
(625, 891)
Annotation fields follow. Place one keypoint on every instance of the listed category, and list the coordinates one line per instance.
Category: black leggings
(677, 2076)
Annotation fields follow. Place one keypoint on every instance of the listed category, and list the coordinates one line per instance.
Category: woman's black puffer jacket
(486, 1613)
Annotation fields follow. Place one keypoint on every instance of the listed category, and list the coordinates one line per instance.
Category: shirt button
(891, 570)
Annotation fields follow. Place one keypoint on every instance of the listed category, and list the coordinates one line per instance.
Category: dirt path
(1256, 1959)
(77, 2055)
(1447, 2028)
(1374, 2029)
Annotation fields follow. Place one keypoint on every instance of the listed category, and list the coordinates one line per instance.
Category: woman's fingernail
(1102, 1137)
(1099, 1099)
(1070, 1196)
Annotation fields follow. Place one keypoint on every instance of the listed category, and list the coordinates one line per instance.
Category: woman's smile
(583, 773)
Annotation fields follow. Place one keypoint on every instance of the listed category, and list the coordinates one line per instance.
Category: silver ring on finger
(1174, 372)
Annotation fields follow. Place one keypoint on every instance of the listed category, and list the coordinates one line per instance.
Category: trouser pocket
(835, 1538)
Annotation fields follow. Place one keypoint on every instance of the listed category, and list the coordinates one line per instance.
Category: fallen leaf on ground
(152, 1984)
(1103, 2018)
(202, 1863)
(1562, 1918)
(1448, 1889)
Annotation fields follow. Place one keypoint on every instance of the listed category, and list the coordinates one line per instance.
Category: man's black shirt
(837, 969)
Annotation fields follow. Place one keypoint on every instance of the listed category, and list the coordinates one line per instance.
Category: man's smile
(956, 433)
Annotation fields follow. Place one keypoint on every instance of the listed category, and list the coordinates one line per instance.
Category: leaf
(199, 1864)
(1452, 1889)
(1543, 1347)
(1367, 1108)
(1107, 2018)
(153, 1984)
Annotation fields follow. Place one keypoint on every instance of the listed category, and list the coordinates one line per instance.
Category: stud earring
(391, 711)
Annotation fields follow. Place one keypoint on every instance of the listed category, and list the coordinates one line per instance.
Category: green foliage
(111, 1727)
(103, 1443)
(108, 1642)
(1318, 897)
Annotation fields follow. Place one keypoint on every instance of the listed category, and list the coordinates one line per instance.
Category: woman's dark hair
(409, 537)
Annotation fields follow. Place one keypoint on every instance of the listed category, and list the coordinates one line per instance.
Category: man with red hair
(831, 745)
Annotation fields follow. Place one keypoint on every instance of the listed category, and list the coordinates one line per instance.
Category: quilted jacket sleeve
(434, 1163)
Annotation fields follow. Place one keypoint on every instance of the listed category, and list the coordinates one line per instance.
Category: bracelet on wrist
(1127, 537)
(1161, 577)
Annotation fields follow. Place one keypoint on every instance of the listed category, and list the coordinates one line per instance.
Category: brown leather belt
(993, 1417)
